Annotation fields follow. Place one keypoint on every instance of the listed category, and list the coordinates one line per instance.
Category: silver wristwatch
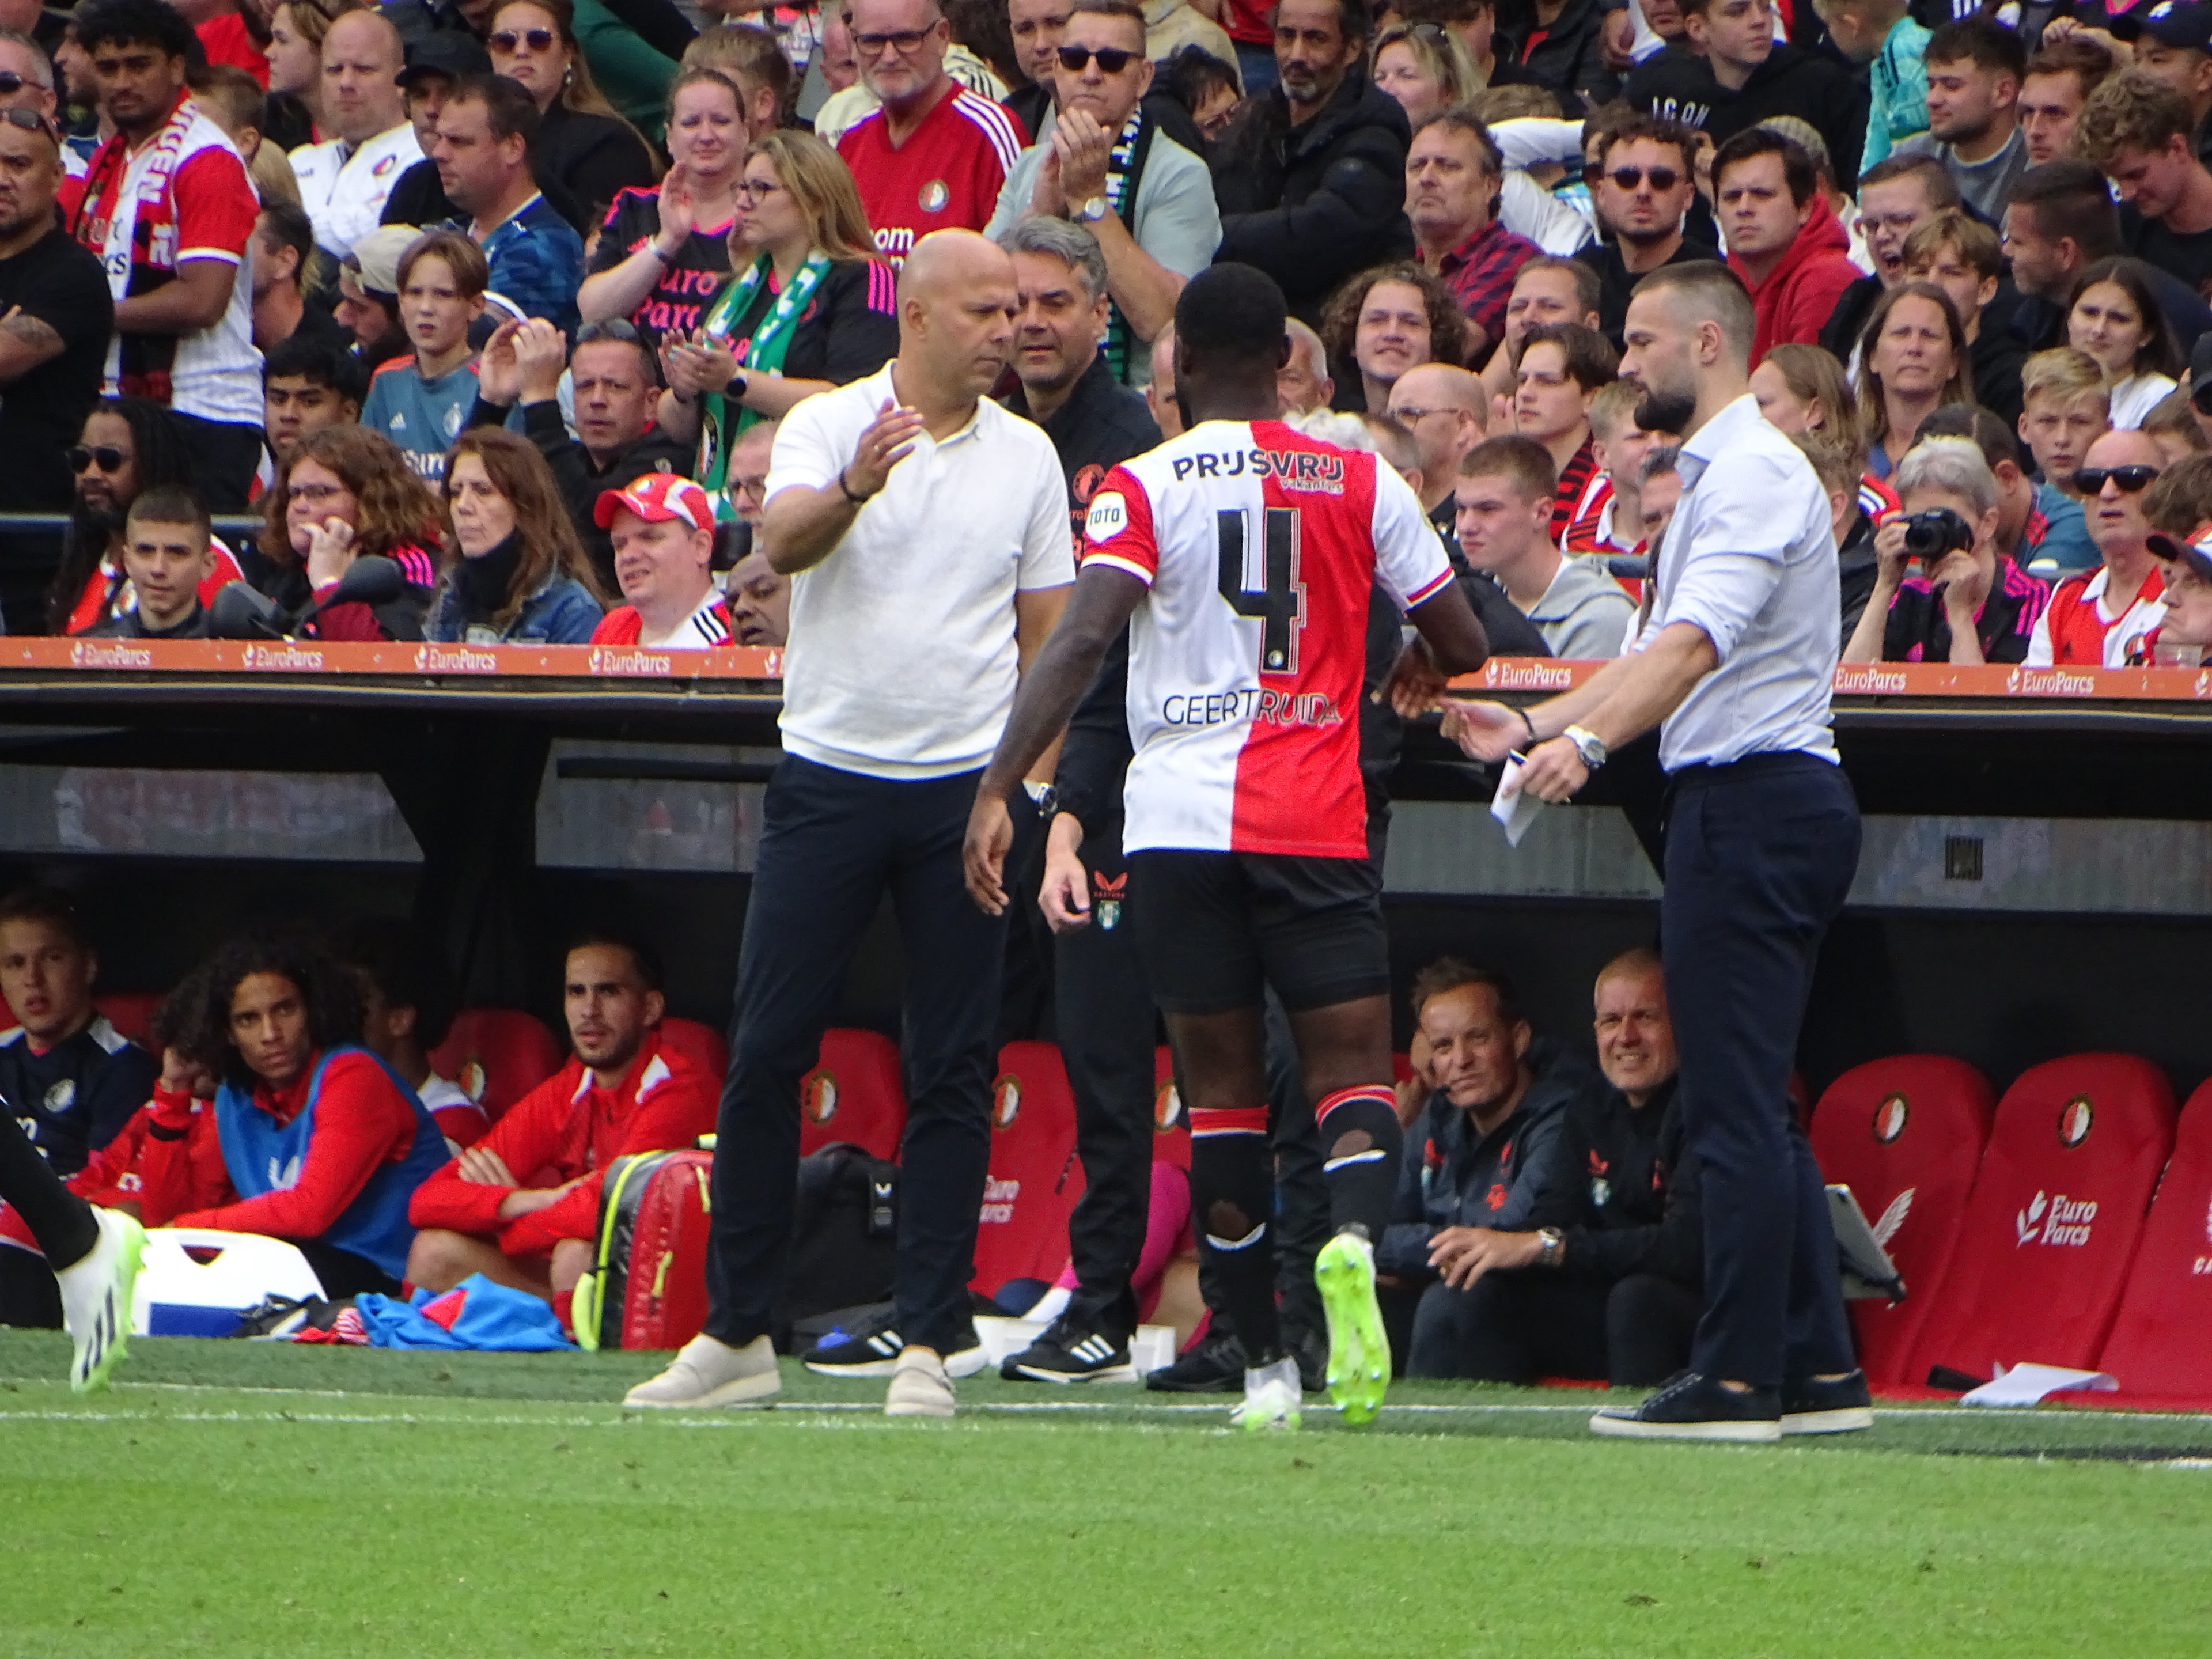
(1093, 211)
(1588, 745)
(1550, 1242)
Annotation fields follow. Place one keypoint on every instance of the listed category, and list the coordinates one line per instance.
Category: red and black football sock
(1232, 1192)
(1361, 1142)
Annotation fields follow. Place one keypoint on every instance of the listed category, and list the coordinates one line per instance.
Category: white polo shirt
(344, 194)
(902, 657)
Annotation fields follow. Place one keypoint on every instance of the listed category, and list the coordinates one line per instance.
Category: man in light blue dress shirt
(1736, 666)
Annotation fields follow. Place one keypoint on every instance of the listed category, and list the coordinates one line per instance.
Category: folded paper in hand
(1512, 809)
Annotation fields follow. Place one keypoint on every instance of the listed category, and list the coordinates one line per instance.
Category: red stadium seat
(2057, 1211)
(130, 1011)
(497, 1055)
(1170, 1125)
(853, 1095)
(2161, 1343)
(1035, 1179)
(703, 1045)
(1905, 1135)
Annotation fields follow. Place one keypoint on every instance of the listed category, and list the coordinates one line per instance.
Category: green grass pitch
(234, 1499)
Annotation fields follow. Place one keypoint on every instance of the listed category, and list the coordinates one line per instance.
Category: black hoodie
(1680, 86)
(1315, 204)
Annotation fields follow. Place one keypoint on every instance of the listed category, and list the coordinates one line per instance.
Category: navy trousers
(832, 843)
(1760, 854)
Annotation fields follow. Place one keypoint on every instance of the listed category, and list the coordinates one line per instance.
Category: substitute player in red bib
(1240, 555)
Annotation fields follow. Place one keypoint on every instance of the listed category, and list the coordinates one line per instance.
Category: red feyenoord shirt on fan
(1259, 547)
(946, 176)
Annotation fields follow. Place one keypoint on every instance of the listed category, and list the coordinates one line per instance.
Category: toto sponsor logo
(1889, 1118)
(2074, 1121)
(1527, 675)
(1859, 679)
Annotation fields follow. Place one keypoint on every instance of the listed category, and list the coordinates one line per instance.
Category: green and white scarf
(722, 419)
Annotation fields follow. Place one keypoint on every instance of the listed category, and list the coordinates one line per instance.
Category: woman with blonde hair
(294, 53)
(583, 143)
(514, 570)
(1425, 68)
(808, 307)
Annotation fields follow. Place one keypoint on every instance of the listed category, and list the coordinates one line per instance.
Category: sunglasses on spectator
(2132, 480)
(508, 39)
(106, 457)
(1662, 179)
(1112, 60)
(905, 42)
(28, 119)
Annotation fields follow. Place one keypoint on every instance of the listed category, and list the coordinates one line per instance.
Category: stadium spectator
(664, 250)
(1303, 382)
(68, 1077)
(1206, 87)
(2173, 44)
(238, 37)
(614, 381)
(2100, 618)
(167, 557)
(168, 209)
(838, 115)
(1067, 381)
(1505, 494)
(1606, 519)
(749, 463)
(1562, 367)
(1884, 36)
(514, 571)
(1782, 238)
(283, 250)
(1565, 53)
(1035, 27)
(1383, 322)
(2022, 531)
(437, 62)
(2137, 130)
(2057, 81)
(344, 180)
(1153, 211)
(2181, 495)
(1970, 603)
(421, 401)
(759, 600)
(55, 319)
(1426, 69)
(235, 102)
(1547, 289)
(1609, 1288)
(1474, 24)
(485, 129)
(1916, 361)
(1311, 173)
(806, 308)
(1734, 74)
(1838, 467)
(369, 295)
(582, 142)
(2064, 409)
(2114, 318)
(933, 155)
(1645, 183)
(2199, 388)
(2062, 221)
(407, 1001)
(752, 60)
(521, 1205)
(128, 445)
(879, 769)
(294, 55)
(1444, 408)
(322, 1143)
(1453, 172)
(347, 492)
(306, 384)
(2172, 425)
(1475, 1155)
(1961, 256)
(1974, 67)
(1896, 198)
(663, 531)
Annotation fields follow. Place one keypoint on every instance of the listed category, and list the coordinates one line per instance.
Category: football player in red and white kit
(1240, 555)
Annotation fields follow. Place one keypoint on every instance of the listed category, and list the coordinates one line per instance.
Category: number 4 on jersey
(1281, 600)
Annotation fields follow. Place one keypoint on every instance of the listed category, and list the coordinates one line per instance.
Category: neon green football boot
(1359, 1352)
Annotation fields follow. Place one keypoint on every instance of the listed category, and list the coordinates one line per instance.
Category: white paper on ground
(1514, 810)
(2024, 1385)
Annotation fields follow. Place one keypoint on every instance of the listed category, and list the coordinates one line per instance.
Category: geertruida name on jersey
(1252, 702)
(1293, 469)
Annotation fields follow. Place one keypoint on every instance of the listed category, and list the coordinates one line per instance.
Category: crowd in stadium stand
(638, 244)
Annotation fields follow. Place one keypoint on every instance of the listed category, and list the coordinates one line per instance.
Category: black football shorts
(1216, 928)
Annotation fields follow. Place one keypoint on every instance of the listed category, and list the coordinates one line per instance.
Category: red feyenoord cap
(658, 498)
(2195, 552)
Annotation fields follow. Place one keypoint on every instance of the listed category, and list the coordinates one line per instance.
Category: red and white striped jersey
(1259, 546)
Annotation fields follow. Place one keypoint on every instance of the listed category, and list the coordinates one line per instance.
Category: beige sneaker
(919, 1386)
(706, 1373)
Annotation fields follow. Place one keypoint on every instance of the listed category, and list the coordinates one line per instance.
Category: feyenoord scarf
(722, 419)
(1125, 168)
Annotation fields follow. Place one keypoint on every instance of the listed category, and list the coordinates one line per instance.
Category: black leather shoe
(1693, 1407)
(1812, 1407)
